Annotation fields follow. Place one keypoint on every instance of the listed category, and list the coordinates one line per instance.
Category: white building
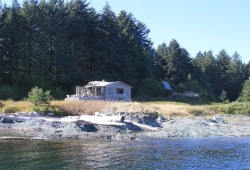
(102, 90)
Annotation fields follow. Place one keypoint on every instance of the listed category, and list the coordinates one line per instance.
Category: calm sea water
(149, 153)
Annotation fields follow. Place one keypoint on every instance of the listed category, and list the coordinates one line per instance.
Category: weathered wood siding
(111, 92)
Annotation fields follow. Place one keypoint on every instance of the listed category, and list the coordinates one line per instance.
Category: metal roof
(104, 83)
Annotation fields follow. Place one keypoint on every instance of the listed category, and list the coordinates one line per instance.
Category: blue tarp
(166, 85)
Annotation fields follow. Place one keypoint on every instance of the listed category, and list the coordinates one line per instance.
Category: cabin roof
(104, 84)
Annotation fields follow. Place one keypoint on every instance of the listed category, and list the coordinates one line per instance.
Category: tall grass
(166, 108)
(81, 107)
(10, 106)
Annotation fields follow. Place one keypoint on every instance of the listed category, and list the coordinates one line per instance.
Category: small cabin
(102, 90)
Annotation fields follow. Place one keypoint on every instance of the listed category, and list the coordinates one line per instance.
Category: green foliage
(223, 97)
(9, 92)
(58, 93)
(49, 109)
(9, 109)
(232, 108)
(38, 97)
(88, 45)
(218, 74)
(189, 86)
(189, 100)
(85, 46)
(180, 88)
(172, 62)
(150, 90)
(245, 94)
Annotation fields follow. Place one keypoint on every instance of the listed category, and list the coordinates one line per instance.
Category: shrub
(9, 109)
(223, 97)
(38, 97)
(232, 108)
(49, 109)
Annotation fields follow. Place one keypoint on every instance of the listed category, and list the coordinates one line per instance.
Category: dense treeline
(216, 77)
(57, 45)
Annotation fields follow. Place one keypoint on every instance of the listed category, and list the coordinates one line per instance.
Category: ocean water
(147, 153)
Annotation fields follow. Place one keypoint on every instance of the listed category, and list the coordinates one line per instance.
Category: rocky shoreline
(118, 126)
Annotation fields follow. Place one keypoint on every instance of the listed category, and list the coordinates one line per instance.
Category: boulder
(161, 118)
(7, 120)
(51, 114)
(218, 119)
(86, 126)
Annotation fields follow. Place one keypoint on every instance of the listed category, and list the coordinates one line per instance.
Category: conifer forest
(58, 45)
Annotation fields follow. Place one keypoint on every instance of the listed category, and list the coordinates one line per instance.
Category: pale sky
(198, 25)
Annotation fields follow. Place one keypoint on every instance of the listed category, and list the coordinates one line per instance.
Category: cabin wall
(111, 92)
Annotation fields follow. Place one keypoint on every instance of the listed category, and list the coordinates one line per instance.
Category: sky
(198, 25)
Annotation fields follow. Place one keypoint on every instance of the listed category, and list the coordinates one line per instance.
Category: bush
(223, 97)
(9, 109)
(49, 109)
(38, 97)
(232, 108)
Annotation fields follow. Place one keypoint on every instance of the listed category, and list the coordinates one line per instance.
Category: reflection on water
(149, 153)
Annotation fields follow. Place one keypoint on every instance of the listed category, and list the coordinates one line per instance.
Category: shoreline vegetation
(167, 108)
(121, 120)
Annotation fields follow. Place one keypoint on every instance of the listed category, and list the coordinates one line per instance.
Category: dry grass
(81, 107)
(90, 107)
(10, 105)
(166, 108)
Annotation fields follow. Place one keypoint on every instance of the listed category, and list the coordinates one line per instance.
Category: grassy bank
(90, 107)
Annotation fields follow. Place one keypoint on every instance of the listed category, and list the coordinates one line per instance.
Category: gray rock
(161, 118)
(51, 114)
(218, 119)
(86, 126)
(7, 120)
(56, 124)
(148, 119)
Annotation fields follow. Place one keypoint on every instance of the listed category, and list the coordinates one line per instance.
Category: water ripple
(149, 153)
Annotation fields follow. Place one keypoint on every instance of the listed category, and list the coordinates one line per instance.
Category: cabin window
(119, 91)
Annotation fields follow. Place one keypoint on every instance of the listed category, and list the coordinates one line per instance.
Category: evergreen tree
(204, 70)
(245, 93)
(223, 66)
(107, 54)
(160, 62)
(134, 49)
(236, 77)
(56, 45)
(177, 62)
